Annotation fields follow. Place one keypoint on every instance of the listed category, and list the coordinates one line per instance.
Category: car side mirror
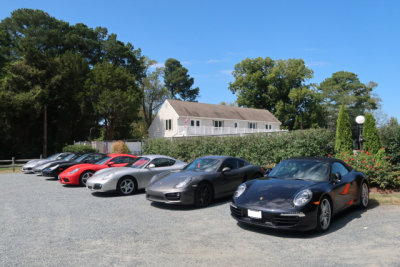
(151, 166)
(110, 164)
(267, 171)
(226, 169)
(337, 177)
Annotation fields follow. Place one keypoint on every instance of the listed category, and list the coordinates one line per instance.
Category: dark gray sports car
(201, 181)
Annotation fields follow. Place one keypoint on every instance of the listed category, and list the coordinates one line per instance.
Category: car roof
(325, 159)
(156, 156)
(117, 155)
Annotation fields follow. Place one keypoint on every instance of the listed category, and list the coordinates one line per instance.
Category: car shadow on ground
(338, 222)
(215, 203)
(115, 194)
(51, 179)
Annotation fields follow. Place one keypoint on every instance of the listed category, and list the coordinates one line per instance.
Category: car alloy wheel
(203, 195)
(324, 215)
(364, 195)
(126, 186)
(85, 176)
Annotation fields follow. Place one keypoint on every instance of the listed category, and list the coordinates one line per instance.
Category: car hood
(117, 171)
(271, 193)
(48, 163)
(173, 178)
(83, 166)
(35, 162)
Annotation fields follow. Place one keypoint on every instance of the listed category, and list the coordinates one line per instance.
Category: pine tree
(372, 141)
(344, 140)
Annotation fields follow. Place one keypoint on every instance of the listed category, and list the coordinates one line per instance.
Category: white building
(178, 118)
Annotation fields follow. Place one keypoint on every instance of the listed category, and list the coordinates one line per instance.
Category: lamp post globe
(360, 119)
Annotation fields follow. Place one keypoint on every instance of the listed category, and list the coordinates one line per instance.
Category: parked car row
(298, 194)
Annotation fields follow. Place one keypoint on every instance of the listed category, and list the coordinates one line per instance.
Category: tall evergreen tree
(178, 81)
(372, 141)
(344, 140)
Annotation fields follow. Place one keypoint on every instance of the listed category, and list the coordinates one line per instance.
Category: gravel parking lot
(43, 223)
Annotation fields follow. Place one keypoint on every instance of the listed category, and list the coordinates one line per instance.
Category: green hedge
(82, 149)
(261, 149)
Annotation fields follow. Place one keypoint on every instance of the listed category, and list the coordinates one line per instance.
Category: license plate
(256, 214)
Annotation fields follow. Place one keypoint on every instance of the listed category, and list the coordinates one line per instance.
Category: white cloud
(226, 72)
(317, 63)
(157, 65)
(212, 61)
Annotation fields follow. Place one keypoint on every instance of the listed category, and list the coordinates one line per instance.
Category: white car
(126, 180)
(28, 167)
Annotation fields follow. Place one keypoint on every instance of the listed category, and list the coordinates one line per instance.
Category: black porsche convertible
(201, 181)
(301, 194)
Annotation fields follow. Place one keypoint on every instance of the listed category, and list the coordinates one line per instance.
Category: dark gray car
(201, 181)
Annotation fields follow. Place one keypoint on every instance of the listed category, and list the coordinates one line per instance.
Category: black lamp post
(360, 121)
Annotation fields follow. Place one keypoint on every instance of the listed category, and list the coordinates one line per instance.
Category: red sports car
(78, 174)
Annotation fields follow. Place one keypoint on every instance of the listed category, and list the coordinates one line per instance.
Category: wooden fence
(14, 163)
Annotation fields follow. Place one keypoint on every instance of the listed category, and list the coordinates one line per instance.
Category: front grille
(97, 186)
(90, 187)
(286, 220)
(66, 180)
(155, 197)
(236, 211)
(173, 196)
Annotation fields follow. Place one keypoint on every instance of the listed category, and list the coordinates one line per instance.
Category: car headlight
(155, 177)
(53, 168)
(302, 198)
(239, 191)
(184, 183)
(108, 176)
(74, 171)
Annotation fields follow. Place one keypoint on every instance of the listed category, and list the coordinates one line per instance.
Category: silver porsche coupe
(126, 180)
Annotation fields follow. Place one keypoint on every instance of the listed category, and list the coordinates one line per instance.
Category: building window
(270, 126)
(218, 124)
(193, 123)
(267, 126)
(168, 125)
(252, 125)
(235, 124)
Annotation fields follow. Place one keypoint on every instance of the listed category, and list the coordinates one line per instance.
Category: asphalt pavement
(44, 223)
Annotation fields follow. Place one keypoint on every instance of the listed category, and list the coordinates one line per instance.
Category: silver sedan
(126, 180)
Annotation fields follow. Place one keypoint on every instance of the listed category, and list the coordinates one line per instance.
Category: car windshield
(70, 156)
(139, 163)
(102, 161)
(203, 165)
(81, 158)
(54, 156)
(301, 170)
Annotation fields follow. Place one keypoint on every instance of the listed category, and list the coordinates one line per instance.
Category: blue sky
(210, 37)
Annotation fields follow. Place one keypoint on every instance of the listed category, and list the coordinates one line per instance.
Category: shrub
(344, 140)
(390, 136)
(370, 133)
(79, 149)
(119, 147)
(375, 166)
(261, 149)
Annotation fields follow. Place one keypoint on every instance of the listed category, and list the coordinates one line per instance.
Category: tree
(372, 141)
(344, 88)
(344, 140)
(278, 86)
(155, 94)
(390, 136)
(178, 81)
(115, 96)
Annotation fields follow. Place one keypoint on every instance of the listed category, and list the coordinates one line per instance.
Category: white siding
(157, 127)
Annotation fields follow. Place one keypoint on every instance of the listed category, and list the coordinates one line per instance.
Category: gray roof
(201, 110)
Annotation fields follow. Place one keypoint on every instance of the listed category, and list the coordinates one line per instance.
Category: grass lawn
(10, 169)
(386, 198)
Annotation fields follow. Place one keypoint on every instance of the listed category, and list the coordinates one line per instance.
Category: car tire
(126, 186)
(364, 195)
(324, 215)
(84, 177)
(203, 195)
